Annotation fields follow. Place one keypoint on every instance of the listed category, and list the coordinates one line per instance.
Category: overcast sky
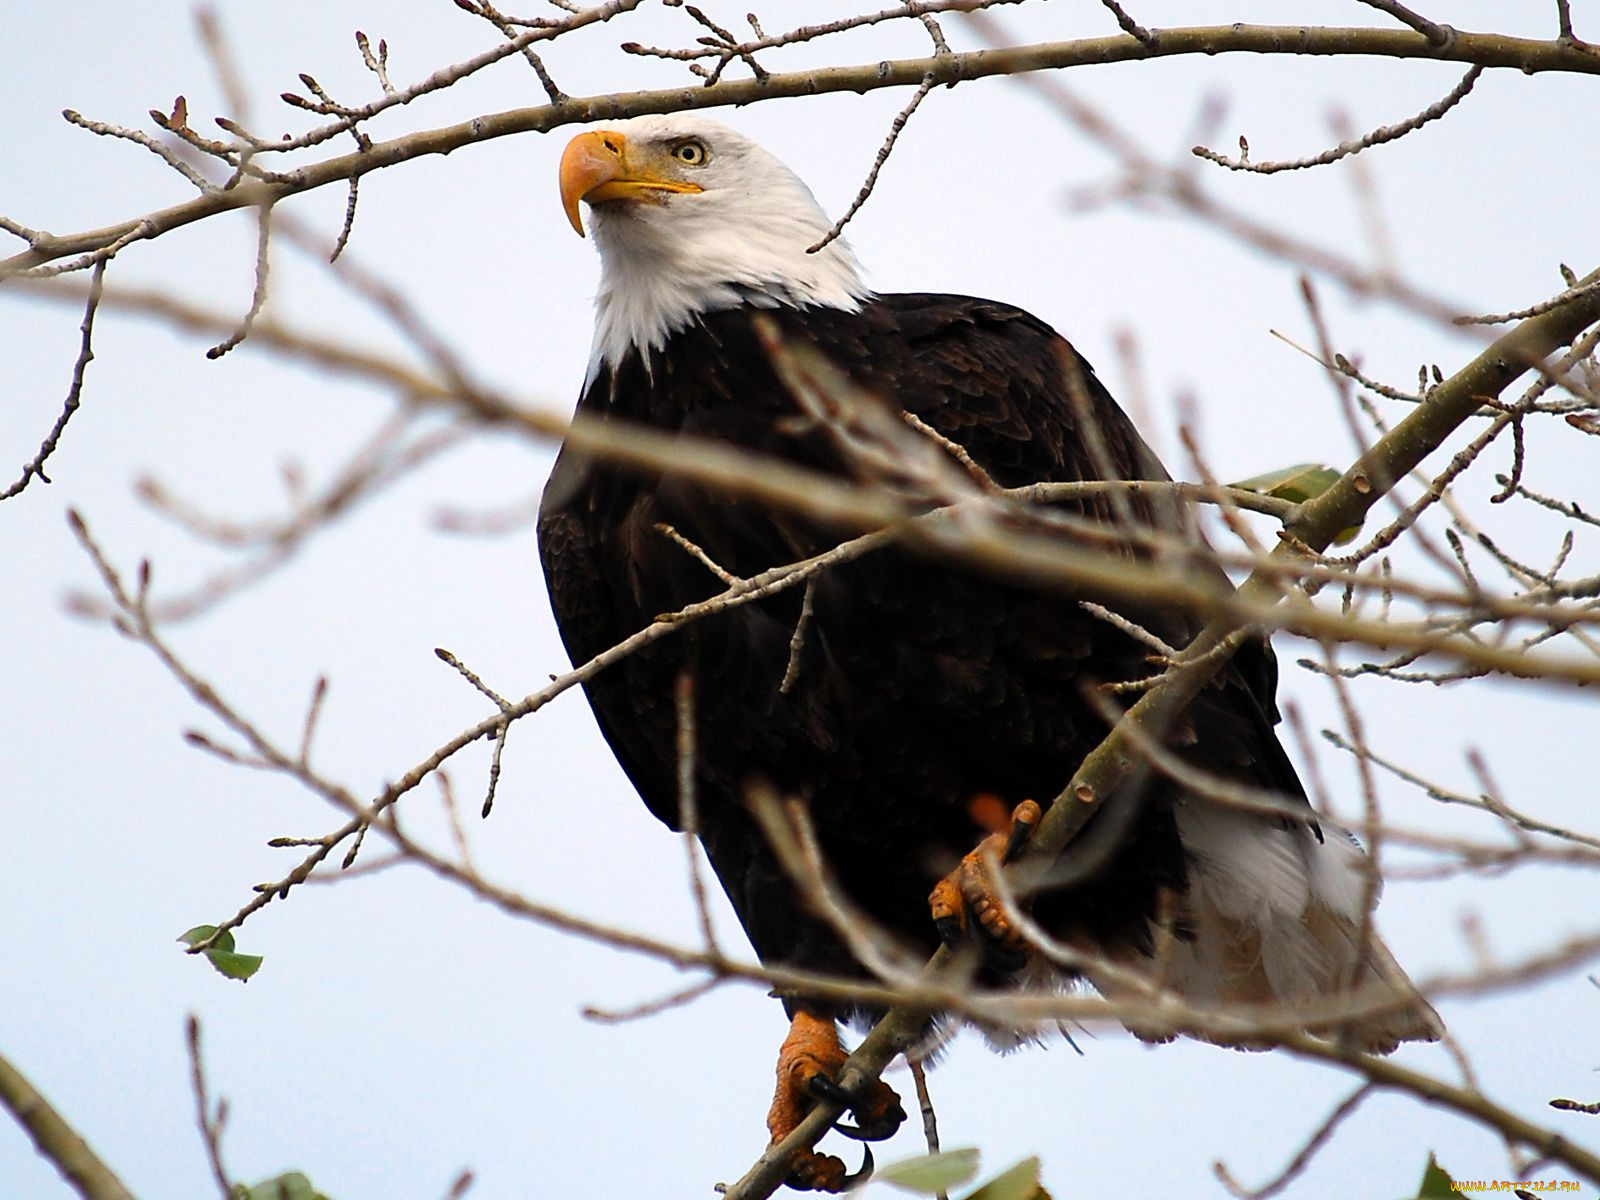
(401, 1031)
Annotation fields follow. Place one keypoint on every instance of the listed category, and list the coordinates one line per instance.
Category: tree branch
(1039, 554)
(57, 1140)
(1486, 49)
(34, 468)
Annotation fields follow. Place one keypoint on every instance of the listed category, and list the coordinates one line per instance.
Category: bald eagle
(902, 700)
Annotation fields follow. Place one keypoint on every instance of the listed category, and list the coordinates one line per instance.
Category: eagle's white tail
(1276, 917)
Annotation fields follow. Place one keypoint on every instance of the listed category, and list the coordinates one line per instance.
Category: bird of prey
(915, 707)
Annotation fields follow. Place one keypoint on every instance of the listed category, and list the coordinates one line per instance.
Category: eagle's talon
(886, 1121)
(875, 1126)
(808, 1066)
(878, 1114)
(862, 1174)
(811, 1171)
(966, 902)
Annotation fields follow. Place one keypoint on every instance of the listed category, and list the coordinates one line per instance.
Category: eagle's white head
(691, 216)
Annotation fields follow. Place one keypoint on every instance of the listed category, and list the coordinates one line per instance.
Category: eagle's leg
(965, 902)
(808, 1065)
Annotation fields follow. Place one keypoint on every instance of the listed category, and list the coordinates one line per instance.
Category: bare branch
(1128, 25)
(920, 9)
(259, 297)
(1489, 50)
(952, 535)
(1379, 136)
(1533, 310)
(689, 806)
(486, 10)
(1302, 1159)
(797, 640)
(1445, 795)
(211, 1120)
(223, 62)
(898, 124)
(34, 468)
(930, 1120)
(56, 1140)
(1439, 35)
(501, 731)
(1575, 1106)
(142, 139)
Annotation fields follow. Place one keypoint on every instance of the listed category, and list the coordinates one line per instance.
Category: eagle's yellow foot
(966, 903)
(807, 1065)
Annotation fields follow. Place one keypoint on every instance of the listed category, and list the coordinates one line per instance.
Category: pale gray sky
(399, 1030)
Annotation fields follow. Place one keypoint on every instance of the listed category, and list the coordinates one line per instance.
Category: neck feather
(661, 269)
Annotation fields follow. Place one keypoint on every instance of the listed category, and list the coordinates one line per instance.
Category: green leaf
(1301, 482)
(201, 932)
(234, 966)
(1297, 484)
(1021, 1182)
(1436, 1183)
(292, 1185)
(222, 954)
(930, 1174)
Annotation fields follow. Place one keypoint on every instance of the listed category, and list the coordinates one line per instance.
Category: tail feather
(1277, 921)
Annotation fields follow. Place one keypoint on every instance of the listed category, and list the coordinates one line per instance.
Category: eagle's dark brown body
(919, 685)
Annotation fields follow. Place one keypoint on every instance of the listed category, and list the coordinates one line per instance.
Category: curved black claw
(862, 1175)
(876, 1130)
(950, 931)
(1023, 822)
(824, 1088)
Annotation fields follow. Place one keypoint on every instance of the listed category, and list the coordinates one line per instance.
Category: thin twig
(689, 806)
(1128, 25)
(502, 729)
(1378, 137)
(1303, 1157)
(259, 297)
(930, 1120)
(224, 64)
(319, 693)
(898, 124)
(1569, 509)
(1564, 20)
(1439, 35)
(651, 1008)
(1444, 795)
(696, 553)
(726, 46)
(494, 16)
(1544, 306)
(921, 9)
(211, 1121)
(34, 468)
(140, 138)
(797, 640)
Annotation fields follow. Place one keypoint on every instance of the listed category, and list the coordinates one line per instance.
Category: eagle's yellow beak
(602, 165)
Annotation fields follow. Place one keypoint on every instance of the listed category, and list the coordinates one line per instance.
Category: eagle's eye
(692, 153)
